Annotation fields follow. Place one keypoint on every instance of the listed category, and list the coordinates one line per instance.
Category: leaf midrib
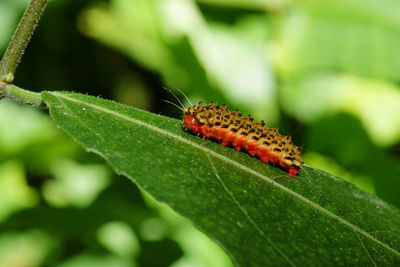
(236, 164)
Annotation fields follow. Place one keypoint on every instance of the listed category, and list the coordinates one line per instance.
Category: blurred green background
(326, 72)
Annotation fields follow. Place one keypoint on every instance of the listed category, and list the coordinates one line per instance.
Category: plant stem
(21, 95)
(20, 40)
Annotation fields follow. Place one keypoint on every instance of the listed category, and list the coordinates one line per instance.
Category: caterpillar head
(191, 124)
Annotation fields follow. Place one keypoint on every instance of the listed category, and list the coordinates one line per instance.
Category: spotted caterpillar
(231, 128)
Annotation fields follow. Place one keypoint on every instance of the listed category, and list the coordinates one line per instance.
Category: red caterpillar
(231, 128)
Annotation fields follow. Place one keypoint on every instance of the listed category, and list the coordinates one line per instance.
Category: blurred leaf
(256, 212)
(132, 27)
(28, 249)
(375, 102)
(360, 37)
(212, 61)
(21, 126)
(15, 194)
(327, 164)
(94, 260)
(342, 136)
(75, 184)
(249, 4)
(119, 238)
(9, 12)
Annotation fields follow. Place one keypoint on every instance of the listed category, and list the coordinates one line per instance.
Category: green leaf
(359, 37)
(256, 212)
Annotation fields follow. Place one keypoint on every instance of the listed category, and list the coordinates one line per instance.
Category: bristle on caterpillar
(241, 132)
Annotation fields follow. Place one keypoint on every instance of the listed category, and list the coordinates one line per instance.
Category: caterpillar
(231, 128)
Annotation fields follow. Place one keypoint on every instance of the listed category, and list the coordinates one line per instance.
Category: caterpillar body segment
(241, 132)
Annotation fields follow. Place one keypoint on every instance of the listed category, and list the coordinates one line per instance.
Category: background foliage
(325, 72)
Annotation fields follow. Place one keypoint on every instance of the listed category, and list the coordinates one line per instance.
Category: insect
(231, 128)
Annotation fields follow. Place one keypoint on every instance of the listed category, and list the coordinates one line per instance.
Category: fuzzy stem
(20, 40)
(22, 96)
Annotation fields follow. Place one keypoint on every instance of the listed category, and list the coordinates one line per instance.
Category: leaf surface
(256, 212)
